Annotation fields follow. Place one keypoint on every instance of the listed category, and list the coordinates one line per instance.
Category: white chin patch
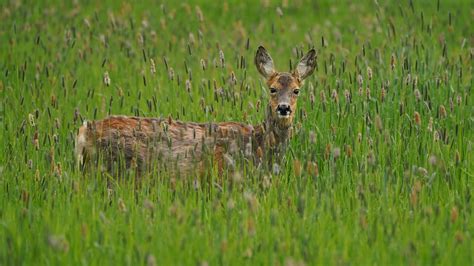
(283, 116)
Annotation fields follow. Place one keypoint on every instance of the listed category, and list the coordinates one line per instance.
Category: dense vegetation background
(379, 171)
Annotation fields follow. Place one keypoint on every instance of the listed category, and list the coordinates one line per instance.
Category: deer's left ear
(306, 65)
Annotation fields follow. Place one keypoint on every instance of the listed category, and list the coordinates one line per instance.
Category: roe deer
(181, 146)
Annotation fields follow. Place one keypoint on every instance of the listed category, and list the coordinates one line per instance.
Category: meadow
(379, 171)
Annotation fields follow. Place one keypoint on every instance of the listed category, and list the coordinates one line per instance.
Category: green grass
(401, 195)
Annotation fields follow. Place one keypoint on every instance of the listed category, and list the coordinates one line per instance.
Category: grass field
(380, 170)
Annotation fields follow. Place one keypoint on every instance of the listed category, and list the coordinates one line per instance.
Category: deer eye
(296, 92)
(273, 90)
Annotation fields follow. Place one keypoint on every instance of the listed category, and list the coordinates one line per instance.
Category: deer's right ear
(264, 62)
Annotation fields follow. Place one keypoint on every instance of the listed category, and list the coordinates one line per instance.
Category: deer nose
(283, 109)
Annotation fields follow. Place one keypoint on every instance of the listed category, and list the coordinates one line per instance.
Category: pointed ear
(264, 62)
(306, 65)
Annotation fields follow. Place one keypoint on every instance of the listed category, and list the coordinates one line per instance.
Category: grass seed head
(422, 171)
(371, 158)
(417, 95)
(258, 106)
(459, 236)
(251, 228)
(171, 73)
(433, 160)
(408, 79)
(58, 243)
(191, 38)
(363, 221)
(293, 262)
(369, 73)
(335, 96)
(251, 200)
(58, 170)
(442, 111)
(140, 39)
(148, 205)
(417, 118)
(233, 79)
(31, 119)
(36, 140)
(237, 178)
(454, 214)
(229, 161)
(348, 151)
(259, 152)
(199, 14)
(121, 205)
(415, 81)
(87, 23)
(336, 153)
(297, 167)
(457, 157)
(163, 23)
(84, 230)
(203, 64)
(152, 66)
(151, 260)
(393, 62)
(76, 186)
(37, 175)
(322, 96)
(360, 80)
(327, 151)
(313, 169)
(312, 137)
(459, 100)
(430, 125)
(413, 198)
(378, 123)
(383, 94)
(279, 12)
(188, 85)
(106, 78)
(266, 181)
(230, 204)
(222, 58)
(248, 253)
(311, 98)
(367, 93)
(196, 184)
(347, 96)
(54, 101)
(276, 169)
(224, 246)
(436, 136)
(25, 196)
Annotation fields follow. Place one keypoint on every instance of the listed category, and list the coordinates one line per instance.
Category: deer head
(284, 86)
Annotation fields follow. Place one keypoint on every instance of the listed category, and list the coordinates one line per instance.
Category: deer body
(184, 147)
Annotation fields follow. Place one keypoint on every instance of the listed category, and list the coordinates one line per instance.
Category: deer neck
(280, 134)
(276, 135)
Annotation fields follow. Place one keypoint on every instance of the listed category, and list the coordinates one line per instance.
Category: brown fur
(141, 142)
(149, 144)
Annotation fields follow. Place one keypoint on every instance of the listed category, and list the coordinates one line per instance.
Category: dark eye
(273, 90)
(296, 92)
